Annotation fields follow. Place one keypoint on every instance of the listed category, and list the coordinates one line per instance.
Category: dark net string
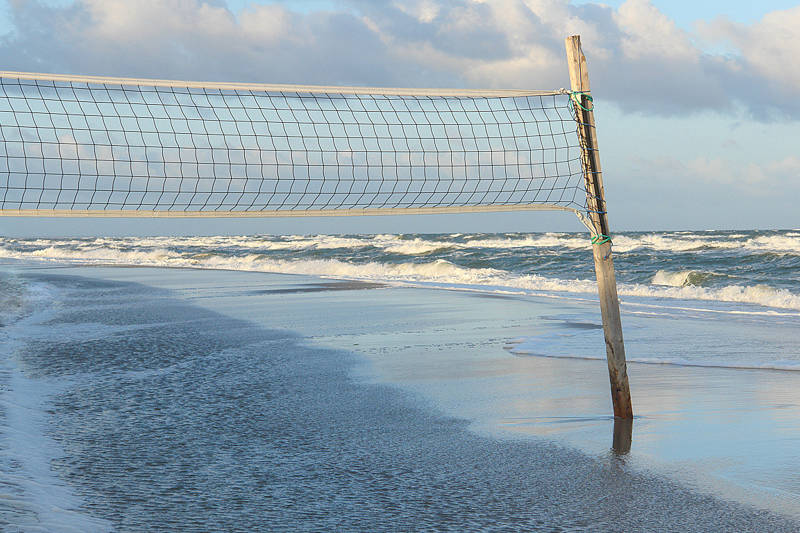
(103, 147)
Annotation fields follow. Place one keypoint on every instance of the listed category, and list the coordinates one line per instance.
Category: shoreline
(425, 344)
(522, 263)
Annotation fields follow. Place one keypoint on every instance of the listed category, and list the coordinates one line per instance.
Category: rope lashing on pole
(600, 238)
(576, 97)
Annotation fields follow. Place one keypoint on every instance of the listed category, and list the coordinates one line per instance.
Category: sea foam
(157, 252)
(532, 346)
(33, 496)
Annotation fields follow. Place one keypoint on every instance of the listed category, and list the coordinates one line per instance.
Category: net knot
(576, 97)
(600, 238)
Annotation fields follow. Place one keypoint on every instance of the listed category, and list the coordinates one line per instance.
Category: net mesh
(96, 146)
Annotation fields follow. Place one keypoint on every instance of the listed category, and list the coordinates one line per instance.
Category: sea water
(754, 268)
(750, 275)
(127, 408)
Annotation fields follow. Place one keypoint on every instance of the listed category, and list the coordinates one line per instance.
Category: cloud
(763, 64)
(747, 180)
(649, 34)
(758, 179)
(195, 39)
(639, 58)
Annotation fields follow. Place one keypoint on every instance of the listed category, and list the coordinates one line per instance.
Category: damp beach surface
(141, 399)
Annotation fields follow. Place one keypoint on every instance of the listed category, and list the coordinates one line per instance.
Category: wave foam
(683, 278)
(518, 347)
(757, 294)
(19, 298)
(34, 498)
(788, 366)
(786, 242)
(674, 286)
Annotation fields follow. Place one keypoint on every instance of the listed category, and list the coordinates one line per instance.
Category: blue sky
(683, 12)
(697, 113)
(686, 12)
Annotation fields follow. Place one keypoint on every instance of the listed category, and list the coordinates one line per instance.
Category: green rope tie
(576, 97)
(600, 239)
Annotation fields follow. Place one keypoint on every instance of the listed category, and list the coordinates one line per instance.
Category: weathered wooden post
(623, 436)
(601, 243)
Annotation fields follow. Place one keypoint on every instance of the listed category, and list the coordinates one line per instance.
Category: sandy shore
(720, 444)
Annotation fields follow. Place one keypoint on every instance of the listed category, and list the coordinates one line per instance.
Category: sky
(696, 102)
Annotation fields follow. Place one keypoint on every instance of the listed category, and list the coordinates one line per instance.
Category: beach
(141, 399)
(254, 279)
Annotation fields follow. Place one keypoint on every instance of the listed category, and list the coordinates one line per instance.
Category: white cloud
(766, 50)
(638, 57)
(753, 179)
(751, 176)
(423, 10)
(650, 34)
(122, 20)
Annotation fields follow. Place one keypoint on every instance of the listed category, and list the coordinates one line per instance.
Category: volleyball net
(91, 146)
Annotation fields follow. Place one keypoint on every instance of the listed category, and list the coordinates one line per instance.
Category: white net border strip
(314, 89)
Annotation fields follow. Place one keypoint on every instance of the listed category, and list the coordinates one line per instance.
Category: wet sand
(396, 408)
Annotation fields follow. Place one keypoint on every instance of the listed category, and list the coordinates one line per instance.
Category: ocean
(753, 274)
(397, 382)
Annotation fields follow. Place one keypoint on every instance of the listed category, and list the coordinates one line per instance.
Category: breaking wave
(240, 253)
(684, 278)
(783, 243)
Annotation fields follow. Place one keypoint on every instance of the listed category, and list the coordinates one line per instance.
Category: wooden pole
(623, 436)
(603, 260)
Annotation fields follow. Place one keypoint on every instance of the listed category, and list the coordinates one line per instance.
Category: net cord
(265, 87)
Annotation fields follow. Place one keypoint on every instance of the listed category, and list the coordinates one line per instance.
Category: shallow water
(170, 405)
